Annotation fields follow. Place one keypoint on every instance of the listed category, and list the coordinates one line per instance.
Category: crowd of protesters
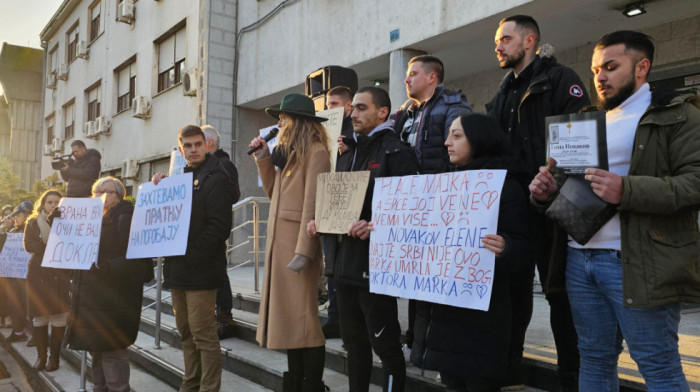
(600, 292)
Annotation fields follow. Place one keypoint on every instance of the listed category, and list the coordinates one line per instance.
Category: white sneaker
(406, 353)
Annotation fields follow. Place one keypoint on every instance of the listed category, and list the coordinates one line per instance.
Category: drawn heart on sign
(447, 217)
(488, 198)
(481, 290)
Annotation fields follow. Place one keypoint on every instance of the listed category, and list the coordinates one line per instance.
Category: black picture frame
(567, 149)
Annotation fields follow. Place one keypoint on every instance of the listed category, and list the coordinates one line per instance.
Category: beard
(611, 102)
(513, 60)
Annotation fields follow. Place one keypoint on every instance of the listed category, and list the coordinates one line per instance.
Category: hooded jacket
(204, 264)
(384, 155)
(82, 173)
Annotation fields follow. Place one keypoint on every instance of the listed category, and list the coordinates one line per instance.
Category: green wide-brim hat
(296, 104)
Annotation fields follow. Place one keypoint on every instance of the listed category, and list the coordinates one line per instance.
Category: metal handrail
(255, 202)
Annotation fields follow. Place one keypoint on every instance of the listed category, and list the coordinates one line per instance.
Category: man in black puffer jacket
(194, 278)
(83, 170)
(382, 153)
(424, 120)
(536, 87)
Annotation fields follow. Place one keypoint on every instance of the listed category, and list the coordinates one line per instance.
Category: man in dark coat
(536, 87)
(337, 97)
(82, 171)
(194, 277)
(367, 320)
(224, 296)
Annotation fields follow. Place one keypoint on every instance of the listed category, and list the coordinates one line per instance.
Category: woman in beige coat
(288, 317)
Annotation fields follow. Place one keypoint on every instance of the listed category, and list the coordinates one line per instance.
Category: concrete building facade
(20, 120)
(124, 76)
(376, 39)
(249, 53)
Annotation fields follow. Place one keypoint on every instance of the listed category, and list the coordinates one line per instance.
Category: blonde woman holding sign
(47, 288)
(288, 317)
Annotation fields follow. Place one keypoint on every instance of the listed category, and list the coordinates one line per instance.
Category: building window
(95, 12)
(72, 47)
(159, 166)
(93, 99)
(50, 123)
(68, 120)
(53, 60)
(126, 84)
(171, 60)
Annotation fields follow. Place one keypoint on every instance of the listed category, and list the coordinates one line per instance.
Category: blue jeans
(594, 284)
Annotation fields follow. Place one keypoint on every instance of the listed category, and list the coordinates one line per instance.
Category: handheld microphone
(267, 138)
(24, 207)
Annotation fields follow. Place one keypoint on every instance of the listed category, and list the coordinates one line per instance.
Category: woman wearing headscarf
(288, 317)
(47, 288)
(470, 347)
(106, 300)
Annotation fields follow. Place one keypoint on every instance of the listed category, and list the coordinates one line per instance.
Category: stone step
(67, 377)
(247, 359)
(539, 362)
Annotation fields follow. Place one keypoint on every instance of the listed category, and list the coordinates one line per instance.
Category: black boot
(568, 381)
(291, 382)
(55, 348)
(41, 338)
(314, 386)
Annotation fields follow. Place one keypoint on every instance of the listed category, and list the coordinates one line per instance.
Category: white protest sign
(75, 236)
(161, 221)
(426, 242)
(271, 144)
(13, 259)
(334, 125)
(177, 163)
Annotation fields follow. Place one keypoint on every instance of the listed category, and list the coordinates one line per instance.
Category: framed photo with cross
(577, 141)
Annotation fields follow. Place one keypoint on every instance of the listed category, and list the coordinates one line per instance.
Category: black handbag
(578, 210)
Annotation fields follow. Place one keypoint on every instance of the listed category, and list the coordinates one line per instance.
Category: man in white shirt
(628, 281)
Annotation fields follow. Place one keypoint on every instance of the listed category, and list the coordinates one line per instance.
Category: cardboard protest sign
(339, 200)
(75, 236)
(161, 221)
(177, 163)
(13, 259)
(334, 125)
(426, 242)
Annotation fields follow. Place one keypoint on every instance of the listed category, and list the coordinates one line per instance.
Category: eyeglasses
(100, 193)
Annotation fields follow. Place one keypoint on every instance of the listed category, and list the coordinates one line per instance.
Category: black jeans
(333, 314)
(521, 288)
(456, 383)
(370, 321)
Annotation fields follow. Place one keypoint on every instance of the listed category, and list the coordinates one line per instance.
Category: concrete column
(398, 64)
